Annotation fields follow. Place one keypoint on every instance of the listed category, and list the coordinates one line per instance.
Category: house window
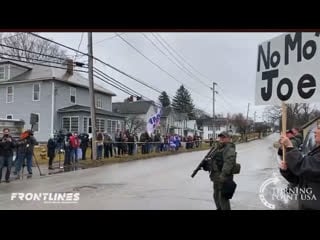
(98, 102)
(9, 116)
(87, 128)
(36, 127)
(100, 125)
(10, 94)
(112, 126)
(66, 123)
(210, 135)
(85, 125)
(70, 124)
(74, 124)
(36, 92)
(73, 92)
(210, 128)
(218, 128)
(2, 75)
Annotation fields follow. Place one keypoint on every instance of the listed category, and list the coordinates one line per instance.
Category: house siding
(62, 94)
(15, 70)
(22, 106)
(62, 100)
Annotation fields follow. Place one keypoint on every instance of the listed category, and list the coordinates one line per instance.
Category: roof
(37, 72)
(166, 111)
(209, 121)
(80, 108)
(14, 63)
(181, 116)
(138, 107)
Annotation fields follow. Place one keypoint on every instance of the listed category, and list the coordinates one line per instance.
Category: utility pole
(92, 97)
(247, 122)
(213, 112)
(248, 112)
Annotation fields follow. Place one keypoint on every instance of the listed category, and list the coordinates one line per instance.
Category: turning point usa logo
(47, 197)
(270, 193)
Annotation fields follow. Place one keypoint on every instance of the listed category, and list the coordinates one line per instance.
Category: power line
(222, 98)
(156, 64)
(29, 51)
(183, 59)
(122, 89)
(228, 110)
(75, 57)
(103, 79)
(35, 59)
(10, 36)
(110, 78)
(133, 92)
(99, 60)
(109, 38)
(226, 95)
(181, 68)
(164, 45)
(40, 64)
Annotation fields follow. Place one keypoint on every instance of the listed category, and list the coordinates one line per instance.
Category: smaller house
(219, 125)
(136, 111)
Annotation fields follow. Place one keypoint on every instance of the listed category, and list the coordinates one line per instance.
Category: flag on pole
(154, 121)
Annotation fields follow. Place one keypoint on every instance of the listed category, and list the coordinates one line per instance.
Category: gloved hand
(206, 166)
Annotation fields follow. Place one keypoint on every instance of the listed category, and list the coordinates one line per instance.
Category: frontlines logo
(270, 189)
(47, 197)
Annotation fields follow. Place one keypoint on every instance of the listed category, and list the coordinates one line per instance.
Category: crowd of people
(74, 146)
(23, 149)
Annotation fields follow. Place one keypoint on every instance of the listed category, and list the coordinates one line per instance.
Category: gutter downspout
(52, 107)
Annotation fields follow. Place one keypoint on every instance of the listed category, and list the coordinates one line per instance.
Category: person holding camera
(7, 145)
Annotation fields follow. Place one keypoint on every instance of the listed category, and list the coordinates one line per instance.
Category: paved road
(157, 183)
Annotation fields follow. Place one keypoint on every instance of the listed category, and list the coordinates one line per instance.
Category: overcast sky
(229, 59)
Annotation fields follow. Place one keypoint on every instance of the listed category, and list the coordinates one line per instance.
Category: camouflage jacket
(220, 171)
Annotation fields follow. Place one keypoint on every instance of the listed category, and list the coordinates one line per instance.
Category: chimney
(69, 63)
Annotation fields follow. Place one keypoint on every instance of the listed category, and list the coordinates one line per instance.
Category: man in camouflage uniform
(223, 161)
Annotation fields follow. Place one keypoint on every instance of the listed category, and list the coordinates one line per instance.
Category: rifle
(204, 162)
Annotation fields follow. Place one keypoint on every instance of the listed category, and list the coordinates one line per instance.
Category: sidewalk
(44, 171)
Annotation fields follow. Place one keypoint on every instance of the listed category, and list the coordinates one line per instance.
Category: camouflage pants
(221, 202)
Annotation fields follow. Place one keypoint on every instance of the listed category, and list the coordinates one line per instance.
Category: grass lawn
(42, 158)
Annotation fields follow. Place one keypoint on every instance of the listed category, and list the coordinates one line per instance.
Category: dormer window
(73, 92)
(2, 73)
(98, 102)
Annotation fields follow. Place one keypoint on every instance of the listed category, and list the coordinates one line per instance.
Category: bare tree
(297, 114)
(200, 113)
(135, 124)
(26, 47)
(239, 121)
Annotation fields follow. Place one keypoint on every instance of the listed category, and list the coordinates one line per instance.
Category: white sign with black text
(288, 69)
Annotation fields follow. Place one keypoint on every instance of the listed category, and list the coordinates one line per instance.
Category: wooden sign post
(284, 127)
